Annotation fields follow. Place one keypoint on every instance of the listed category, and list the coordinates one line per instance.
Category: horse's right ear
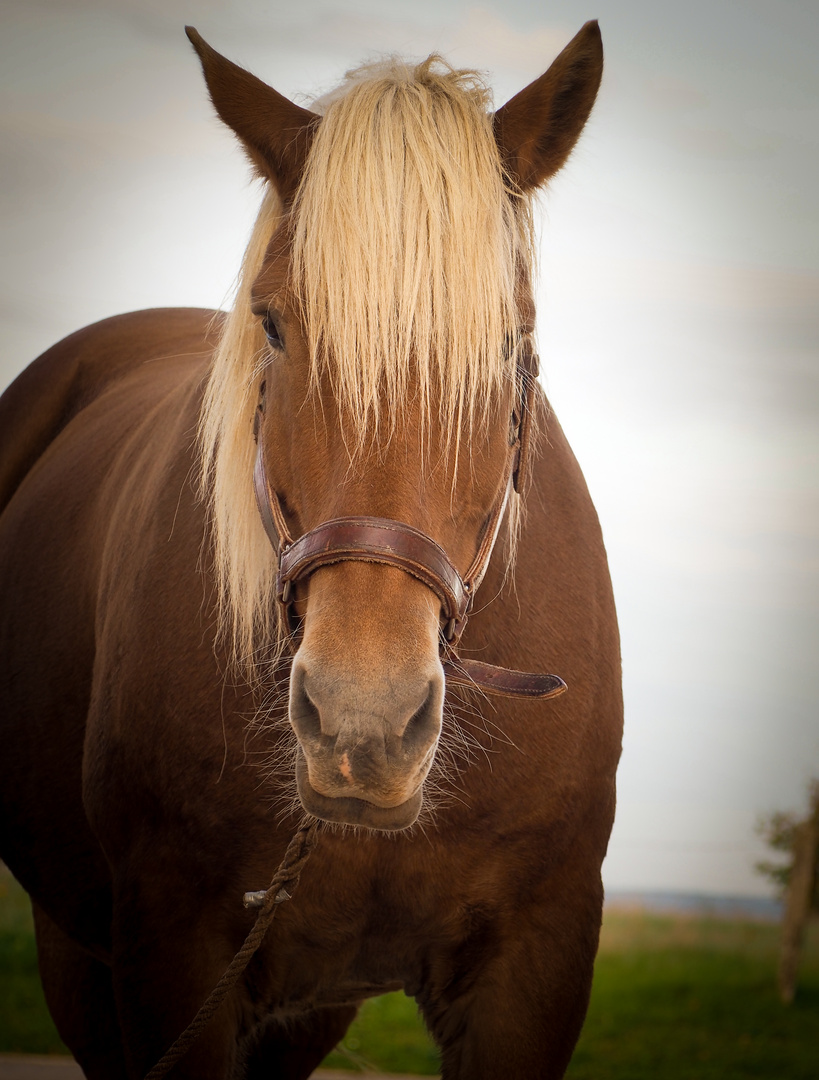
(276, 133)
(538, 128)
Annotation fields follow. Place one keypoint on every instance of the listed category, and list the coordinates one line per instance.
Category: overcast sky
(678, 327)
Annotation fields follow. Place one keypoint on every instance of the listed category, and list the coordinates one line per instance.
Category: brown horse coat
(138, 803)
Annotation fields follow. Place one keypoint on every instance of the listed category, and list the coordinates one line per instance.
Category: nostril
(425, 722)
(304, 716)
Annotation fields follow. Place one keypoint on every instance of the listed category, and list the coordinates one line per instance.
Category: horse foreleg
(159, 993)
(80, 998)
(518, 1011)
(292, 1049)
(162, 975)
(167, 960)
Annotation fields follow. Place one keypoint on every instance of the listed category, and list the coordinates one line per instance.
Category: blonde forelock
(406, 243)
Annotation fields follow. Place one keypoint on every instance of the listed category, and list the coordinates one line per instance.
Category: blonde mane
(408, 246)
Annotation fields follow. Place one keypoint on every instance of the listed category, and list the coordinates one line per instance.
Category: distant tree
(778, 830)
(798, 880)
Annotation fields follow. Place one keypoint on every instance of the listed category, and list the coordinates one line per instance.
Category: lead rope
(281, 888)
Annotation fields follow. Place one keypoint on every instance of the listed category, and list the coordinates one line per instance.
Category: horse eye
(272, 332)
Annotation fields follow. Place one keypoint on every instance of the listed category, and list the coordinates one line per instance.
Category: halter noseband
(394, 543)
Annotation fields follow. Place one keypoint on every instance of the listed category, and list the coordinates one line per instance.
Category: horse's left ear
(276, 133)
(537, 129)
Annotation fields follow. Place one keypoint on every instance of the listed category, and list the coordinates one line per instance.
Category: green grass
(387, 1034)
(25, 1026)
(675, 998)
(695, 998)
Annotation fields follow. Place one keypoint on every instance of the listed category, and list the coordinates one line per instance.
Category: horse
(284, 560)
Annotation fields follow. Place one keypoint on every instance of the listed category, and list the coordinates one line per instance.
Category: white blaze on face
(344, 768)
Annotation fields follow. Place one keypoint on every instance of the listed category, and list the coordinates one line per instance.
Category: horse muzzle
(366, 744)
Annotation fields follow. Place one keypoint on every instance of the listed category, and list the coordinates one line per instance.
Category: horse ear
(276, 133)
(537, 129)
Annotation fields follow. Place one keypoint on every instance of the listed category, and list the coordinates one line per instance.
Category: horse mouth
(347, 810)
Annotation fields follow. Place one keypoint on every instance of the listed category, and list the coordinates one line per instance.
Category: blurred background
(678, 322)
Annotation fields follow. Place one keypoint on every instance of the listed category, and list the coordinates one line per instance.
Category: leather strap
(500, 681)
(526, 397)
(377, 540)
(267, 501)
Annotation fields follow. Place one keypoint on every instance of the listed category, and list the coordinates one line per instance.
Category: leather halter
(393, 543)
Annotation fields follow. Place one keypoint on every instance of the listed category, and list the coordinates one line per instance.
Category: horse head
(384, 321)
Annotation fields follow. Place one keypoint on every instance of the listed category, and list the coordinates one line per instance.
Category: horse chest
(404, 935)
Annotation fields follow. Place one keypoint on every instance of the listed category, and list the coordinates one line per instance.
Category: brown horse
(154, 647)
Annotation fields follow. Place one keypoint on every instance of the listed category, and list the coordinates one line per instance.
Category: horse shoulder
(66, 378)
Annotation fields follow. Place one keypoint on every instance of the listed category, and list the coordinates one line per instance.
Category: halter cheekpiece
(393, 543)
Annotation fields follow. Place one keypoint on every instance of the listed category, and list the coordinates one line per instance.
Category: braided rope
(281, 888)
